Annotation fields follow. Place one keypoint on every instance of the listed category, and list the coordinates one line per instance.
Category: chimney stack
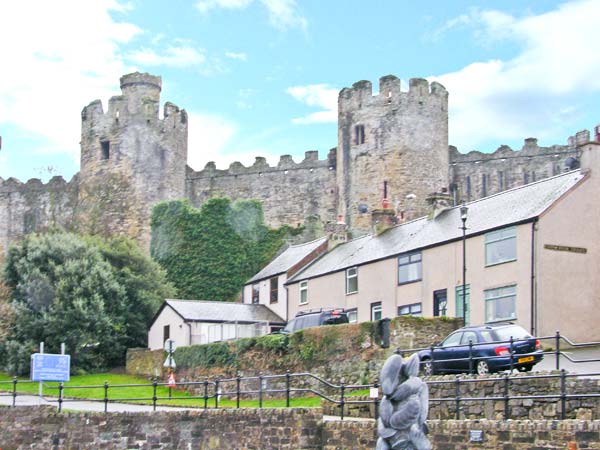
(337, 233)
(438, 202)
(382, 220)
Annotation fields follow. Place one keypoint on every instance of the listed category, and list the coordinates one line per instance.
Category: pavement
(577, 354)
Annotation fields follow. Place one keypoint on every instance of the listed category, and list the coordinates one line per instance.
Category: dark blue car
(490, 351)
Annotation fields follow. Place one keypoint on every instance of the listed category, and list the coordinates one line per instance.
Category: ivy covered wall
(209, 253)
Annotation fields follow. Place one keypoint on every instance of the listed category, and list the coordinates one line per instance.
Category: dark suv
(490, 350)
(315, 318)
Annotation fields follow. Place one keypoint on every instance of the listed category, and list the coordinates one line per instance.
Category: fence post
(376, 401)
(287, 389)
(154, 385)
(206, 393)
(14, 393)
(512, 360)
(432, 361)
(217, 393)
(342, 402)
(260, 390)
(563, 394)
(506, 398)
(60, 396)
(470, 356)
(557, 349)
(106, 396)
(237, 382)
(457, 396)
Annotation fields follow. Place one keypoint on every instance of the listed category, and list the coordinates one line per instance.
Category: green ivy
(208, 355)
(209, 253)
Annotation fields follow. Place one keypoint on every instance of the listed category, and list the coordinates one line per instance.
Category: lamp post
(463, 217)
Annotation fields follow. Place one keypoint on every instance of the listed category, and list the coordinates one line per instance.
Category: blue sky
(260, 77)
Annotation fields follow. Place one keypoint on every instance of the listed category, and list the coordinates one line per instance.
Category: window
(469, 336)
(500, 304)
(274, 289)
(501, 246)
(104, 149)
(166, 332)
(255, 294)
(453, 339)
(359, 134)
(414, 309)
(303, 292)
(352, 315)
(351, 280)
(375, 311)
(440, 303)
(409, 267)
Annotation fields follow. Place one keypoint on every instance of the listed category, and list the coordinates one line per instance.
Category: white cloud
(55, 55)
(206, 5)
(208, 135)
(237, 55)
(283, 14)
(184, 56)
(319, 95)
(535, 93)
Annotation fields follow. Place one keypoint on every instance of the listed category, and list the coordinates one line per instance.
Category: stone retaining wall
(267, 429)
(536, 409)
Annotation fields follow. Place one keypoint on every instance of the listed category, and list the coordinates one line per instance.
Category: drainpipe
(533, 306)
(190, 336)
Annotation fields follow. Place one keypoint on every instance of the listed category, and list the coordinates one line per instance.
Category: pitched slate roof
(207, 311)
(286, 260)
(514, 206)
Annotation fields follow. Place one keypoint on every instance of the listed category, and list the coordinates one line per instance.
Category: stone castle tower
(131, 158)
(392, 155)
(391, 146)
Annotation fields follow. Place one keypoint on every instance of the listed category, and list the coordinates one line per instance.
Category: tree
(209, 253)
(90, 294)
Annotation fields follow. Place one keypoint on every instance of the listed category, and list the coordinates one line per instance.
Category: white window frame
(349, 276)
(303, 289)
(413, 309)
(352, 315)
(498, 236)
(376, 309)
(491, 296)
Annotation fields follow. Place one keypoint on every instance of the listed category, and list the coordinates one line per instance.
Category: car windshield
(514, 331)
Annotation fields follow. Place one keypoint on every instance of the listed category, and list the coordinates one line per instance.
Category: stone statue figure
(403, 410)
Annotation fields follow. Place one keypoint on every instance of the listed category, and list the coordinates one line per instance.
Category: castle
(392, 152)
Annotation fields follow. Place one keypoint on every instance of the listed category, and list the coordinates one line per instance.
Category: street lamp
(463, 217)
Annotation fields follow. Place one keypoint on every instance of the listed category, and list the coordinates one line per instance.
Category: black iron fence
(292, 385)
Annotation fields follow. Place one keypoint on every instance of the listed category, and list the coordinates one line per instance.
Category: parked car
(490, 352)
(315, 318)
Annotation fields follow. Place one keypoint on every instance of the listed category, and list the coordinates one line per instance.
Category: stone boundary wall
(35, 207)
(272, 429)
(356, 355)
(289, 192)
(535, 409)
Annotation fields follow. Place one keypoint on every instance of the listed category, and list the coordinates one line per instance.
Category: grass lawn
(128, 393)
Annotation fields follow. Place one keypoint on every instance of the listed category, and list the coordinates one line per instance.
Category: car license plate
(526, 359)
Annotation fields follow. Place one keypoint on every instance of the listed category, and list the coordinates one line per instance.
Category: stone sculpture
(403, 410)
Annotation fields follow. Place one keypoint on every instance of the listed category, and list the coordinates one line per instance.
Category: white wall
(179, 330)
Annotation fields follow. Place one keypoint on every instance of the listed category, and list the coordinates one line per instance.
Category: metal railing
(290, 386)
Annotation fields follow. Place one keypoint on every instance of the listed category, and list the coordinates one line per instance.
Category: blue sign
(48, 367)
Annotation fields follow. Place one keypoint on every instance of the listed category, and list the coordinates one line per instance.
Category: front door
(440, 303)
(459, 303)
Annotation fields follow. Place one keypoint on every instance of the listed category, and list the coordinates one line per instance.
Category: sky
(261, 77)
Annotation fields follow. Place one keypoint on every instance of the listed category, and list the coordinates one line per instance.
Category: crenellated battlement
(286, 164)
(390, 93)
(35, 184)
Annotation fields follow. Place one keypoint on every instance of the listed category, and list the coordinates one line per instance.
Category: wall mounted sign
(475, 435)
(564, 248)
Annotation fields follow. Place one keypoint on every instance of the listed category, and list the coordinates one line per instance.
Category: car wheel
(427, 368)
(526, 368)
(483, 368)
